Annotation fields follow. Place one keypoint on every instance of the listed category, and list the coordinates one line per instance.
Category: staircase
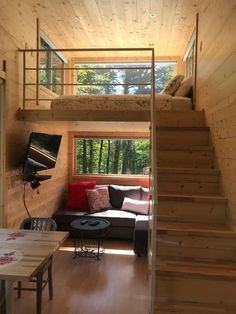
(196, 249)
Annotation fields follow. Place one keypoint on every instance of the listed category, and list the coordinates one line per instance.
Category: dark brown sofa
(123, 224)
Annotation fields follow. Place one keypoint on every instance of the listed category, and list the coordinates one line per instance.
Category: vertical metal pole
(195, 62)
(153, 190)
(63, 80)
(37, 63)
(24, 79)
(2, 149)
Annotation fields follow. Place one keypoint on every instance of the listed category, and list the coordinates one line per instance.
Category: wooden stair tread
(192, 197)
(183, 128)
(213, 230)
(203, 267)
(173, 218)
(180, 118)
(189, 148)
(192, 308)
(188, 170)
(195, 248)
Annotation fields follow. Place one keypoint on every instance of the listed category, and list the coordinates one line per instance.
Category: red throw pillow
(77, 198)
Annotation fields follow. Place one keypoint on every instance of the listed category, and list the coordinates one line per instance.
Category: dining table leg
(3, 298)
(9, 297)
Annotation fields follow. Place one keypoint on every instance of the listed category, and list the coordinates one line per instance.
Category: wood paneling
(216, 87)
(90, 23)
(14, 33)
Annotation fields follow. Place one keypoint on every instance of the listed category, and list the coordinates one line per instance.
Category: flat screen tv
(41, 153)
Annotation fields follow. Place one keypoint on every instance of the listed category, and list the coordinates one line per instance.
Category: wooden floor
(116, 284)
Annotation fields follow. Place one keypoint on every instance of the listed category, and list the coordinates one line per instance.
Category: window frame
(60, 56)
(127, 179)
(189, 55)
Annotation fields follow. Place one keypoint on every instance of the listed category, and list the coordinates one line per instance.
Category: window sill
(125, 179)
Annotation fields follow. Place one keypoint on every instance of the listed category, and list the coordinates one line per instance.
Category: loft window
(189, 56)
(127, 74)
(189, 62)
(111, 156)
(51, 68)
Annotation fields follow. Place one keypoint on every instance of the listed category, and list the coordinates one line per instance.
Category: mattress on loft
(181, 103)
(114, 102)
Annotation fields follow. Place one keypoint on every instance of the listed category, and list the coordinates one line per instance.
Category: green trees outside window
(112, 156)
(128, 74)
(117, 156)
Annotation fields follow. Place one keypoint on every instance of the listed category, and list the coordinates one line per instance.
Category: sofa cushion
(140, 218)
(117, 218)
(145, 194)
(118, 193)
(77, 198)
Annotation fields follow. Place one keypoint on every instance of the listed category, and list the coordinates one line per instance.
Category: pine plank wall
(216, 87)
(216, 94)
(17, 30)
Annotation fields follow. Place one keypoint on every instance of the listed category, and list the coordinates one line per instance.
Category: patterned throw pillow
(172, 86)
(98, 199)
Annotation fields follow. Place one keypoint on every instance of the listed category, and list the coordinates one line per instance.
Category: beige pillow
(135, 206)
(172, 86)
(185, 87)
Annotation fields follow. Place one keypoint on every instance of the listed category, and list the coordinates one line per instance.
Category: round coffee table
(89, 234)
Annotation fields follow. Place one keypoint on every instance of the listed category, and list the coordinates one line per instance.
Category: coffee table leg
(98, 256)
(79, 245)
(74, 248)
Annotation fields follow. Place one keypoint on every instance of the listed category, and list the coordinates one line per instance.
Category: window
(189, 62)
(51, 69)
(189, 56)
(111, 156)
(164, 71)
(128, 74)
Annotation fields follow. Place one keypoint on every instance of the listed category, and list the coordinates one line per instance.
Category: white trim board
(190, 44)
(51, 44)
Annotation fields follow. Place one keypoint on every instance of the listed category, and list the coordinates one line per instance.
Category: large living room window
(125, 74)
(108, 155)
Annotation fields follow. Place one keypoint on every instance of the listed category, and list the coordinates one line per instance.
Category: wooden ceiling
(165, 25)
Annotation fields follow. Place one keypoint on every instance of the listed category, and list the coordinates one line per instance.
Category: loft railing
(153, 176)
(29, 53)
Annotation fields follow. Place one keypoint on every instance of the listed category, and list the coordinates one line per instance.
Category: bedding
(181, 103)
(114, 102)
(173, 85)
(185, 87)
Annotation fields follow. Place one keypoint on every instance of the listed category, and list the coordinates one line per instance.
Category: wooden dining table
(22, 253)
